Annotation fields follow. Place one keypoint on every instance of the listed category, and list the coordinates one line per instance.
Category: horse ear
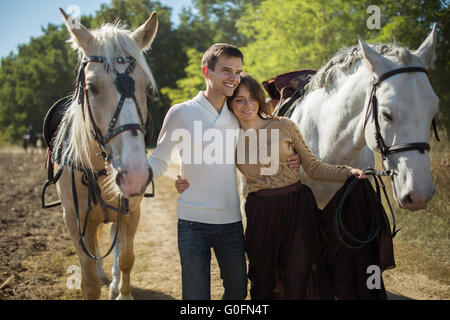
(426, 51)
(145, 34)
(79, 33)
(374, 61)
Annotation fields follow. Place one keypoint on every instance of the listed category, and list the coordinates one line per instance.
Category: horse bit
(385, 152)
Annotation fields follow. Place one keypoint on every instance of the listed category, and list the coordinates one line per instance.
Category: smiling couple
(208, 211)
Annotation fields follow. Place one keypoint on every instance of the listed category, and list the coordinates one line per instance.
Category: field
(36, 251)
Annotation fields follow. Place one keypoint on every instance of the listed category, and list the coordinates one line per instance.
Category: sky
(22, 19)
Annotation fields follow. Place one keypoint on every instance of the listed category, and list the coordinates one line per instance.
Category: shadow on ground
(146, 294)
(394, 296)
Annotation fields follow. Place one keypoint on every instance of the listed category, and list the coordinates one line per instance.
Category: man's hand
(181, 184)
(294, 161)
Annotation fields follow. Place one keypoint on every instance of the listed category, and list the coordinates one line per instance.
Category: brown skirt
(289, 240)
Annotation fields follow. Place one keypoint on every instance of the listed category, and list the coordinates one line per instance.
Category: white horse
(109, 115)
(331, 116)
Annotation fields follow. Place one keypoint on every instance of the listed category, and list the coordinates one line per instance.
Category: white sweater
(212, 196)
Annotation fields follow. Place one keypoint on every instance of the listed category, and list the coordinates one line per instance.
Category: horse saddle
(53, 119)
(287, 85)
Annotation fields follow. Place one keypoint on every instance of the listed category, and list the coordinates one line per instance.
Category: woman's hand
(358, 172)
(181, 184)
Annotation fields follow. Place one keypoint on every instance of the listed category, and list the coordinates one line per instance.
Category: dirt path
(35, 249)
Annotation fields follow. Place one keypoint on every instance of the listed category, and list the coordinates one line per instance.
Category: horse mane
(112, 41)
(345, 59)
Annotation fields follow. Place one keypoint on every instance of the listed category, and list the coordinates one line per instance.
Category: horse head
(407, 106)
(112, 85)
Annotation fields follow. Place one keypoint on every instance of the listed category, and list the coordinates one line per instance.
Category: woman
(282, 238)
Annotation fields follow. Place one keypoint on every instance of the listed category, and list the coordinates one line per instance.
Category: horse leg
(127, 231)
(99, 264)
(90, 281)
(114, 286)
(91, 285)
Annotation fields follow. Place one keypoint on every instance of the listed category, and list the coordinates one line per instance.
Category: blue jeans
(195, 241)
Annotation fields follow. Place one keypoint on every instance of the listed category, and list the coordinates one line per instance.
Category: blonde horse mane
(112, 41)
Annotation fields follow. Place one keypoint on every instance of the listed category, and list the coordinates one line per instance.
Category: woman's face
(245, 106)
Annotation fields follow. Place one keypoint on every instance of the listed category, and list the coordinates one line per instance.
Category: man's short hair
(211, 55)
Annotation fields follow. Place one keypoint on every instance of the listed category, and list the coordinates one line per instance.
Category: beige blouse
(281, 175)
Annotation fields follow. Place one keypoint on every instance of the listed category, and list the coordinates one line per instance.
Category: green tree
(191, 84)
(212, 21)
(298, 34)
(41, 73)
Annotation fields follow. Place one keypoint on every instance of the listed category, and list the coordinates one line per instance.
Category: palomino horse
(107, 119)
(336, 116)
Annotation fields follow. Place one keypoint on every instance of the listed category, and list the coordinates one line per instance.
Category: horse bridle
(385, 152)
(373, 102)
(125, 86)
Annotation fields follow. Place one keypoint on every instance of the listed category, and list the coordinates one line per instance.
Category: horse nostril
(407, 199)
(119, 176)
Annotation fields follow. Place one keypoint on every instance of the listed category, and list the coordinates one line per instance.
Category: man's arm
(161, 156)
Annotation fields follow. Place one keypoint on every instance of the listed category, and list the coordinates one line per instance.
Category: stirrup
(51, 204)
(150, 195)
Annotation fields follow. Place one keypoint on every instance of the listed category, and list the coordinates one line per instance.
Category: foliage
(275, 36)
(298, 34)
(213, 21)
(41, 73)
(191, 84)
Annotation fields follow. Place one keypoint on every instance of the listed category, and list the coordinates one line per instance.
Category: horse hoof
(113, 290)
(113, 295)
(125, 297)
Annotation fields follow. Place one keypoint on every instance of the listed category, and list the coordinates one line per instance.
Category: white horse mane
(346, 58)
(112, 41)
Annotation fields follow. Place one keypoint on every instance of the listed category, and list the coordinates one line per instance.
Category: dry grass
(422, 246)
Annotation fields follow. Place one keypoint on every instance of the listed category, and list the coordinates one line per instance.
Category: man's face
(226, 75)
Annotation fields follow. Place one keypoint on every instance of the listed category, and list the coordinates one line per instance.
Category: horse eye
(91, 87)
(387, 116)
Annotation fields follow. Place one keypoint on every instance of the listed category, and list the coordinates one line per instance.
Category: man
(209, 211)
(28, 138)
